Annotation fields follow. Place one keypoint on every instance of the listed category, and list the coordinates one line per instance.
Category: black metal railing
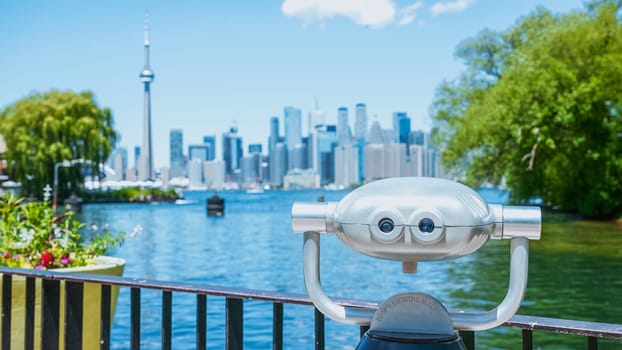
(73, 313)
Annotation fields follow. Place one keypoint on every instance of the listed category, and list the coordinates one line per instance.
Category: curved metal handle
(311, 271)
(519, 264)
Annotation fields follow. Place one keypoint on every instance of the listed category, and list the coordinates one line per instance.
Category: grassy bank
(132, 195)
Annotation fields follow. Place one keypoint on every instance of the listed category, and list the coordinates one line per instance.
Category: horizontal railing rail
(73, 286)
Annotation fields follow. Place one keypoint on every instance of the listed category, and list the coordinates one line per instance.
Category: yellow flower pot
(104, 265)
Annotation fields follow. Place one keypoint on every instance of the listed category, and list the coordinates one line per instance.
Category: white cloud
(452, 6)
(408, 14)
(375, 13)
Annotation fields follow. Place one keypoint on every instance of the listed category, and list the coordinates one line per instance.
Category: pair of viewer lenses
(387, 225)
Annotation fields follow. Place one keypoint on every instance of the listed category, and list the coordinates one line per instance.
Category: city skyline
(233, 63)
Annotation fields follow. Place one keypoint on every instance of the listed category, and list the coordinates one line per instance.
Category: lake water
(575, 271)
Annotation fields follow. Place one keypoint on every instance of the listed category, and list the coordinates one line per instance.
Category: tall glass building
(343, 127)
(176, 152)
(401, 127)
(360, 121)
(231, 151)
(210, 140)
(293, 132)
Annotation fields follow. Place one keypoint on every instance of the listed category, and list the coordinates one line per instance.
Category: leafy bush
(31, 236)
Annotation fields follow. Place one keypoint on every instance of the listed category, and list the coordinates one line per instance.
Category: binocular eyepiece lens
(386, 225)
(426, 225)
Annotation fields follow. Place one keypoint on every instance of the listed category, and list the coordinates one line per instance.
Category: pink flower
(39, 267)
(6, 255)
(65, 260)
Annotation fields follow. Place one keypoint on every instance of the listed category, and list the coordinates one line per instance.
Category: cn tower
(146, 77)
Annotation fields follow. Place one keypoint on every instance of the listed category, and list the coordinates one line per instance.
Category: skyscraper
(231, 151)
(346, 165)
(343, 128)
(293, 132)
(176, 151)
(210, 140)
(317, 120)
(274, 134)
(401, 127)
(360, 121)
(326, 141)
(375, 133)
(146, 77)
(200, 152)
(278, 164)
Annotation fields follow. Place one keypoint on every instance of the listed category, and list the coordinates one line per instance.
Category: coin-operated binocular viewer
(412, 220)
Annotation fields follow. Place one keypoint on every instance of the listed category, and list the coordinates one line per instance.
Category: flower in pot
(32, 237)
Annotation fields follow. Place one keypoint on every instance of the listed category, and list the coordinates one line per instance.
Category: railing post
(319, 330)
(29, 317)
(167, 299)
(104, 324)
(201, 322)
(135, 315)
(592, 343)
(73, 315)
(468, 338)
(235, 325)
(50, 305)
(7, 287)
(277, 326)
(527, 339)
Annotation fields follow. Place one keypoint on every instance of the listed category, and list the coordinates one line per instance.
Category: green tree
(46, 128)
(539, 106)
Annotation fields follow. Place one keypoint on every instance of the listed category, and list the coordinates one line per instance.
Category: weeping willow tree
(540, 107)
(43, 129)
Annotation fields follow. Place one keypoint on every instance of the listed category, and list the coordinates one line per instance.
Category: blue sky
(223, 62)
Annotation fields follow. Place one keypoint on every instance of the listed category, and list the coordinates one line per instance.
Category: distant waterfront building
(131, 174)
(255, 148)
(417, 159)
(136, 156)
(383, 160)
(401, 127)
(200, 152)
(251, 166)
(195, 173)
(343, 126)
(299, 156)
(327, 161)
(232, 152)
(176, 152)
(117, 166)
(118, 162)
(293, 132)
(360, 121)
(346, 165)
(210, 140)
(326, 141)
(278, 164)
(417, 137)
(274, 137)
(298, 178)
(165, 176)
(214, 174)
(375, 133)
(317, 120)
(146, 77)
(143, 168)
